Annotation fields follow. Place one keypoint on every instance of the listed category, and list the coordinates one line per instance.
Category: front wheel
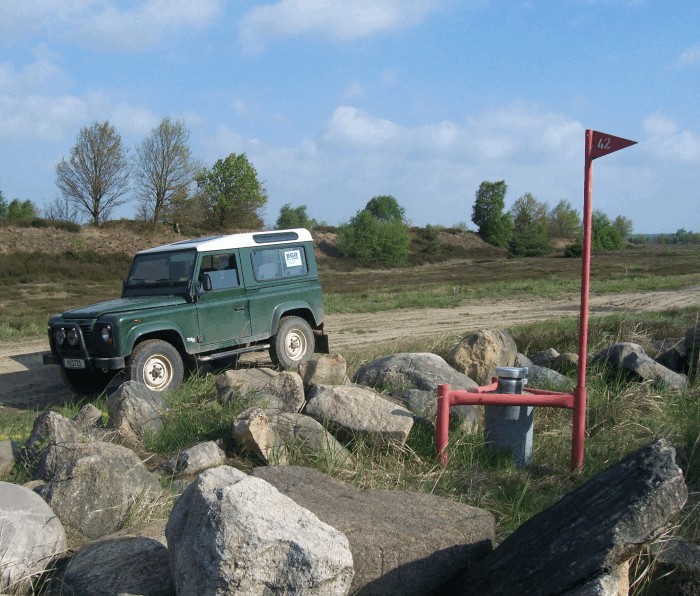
(293, 343)
(157, 364)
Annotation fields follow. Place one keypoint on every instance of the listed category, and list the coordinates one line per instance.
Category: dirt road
(26, 383)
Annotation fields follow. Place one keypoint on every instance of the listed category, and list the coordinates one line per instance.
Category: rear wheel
(293, 343)
(157, 364)
(87, 382)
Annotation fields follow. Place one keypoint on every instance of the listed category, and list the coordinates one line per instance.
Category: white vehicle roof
(231, 241)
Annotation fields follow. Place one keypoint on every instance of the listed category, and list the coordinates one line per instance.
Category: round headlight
(72, 337)
(106, 333)
(59, 335)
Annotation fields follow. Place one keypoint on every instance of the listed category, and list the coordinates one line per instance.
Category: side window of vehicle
(279, 263)
(222, 270)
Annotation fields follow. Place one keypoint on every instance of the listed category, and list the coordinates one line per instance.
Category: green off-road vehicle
(193, 302)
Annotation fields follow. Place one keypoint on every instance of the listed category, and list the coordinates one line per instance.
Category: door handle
(237, 308)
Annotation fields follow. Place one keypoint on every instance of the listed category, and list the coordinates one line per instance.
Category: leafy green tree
(3, 205)
(164, 169)
(623, 225)
(96, 175)
(494, 226)
(564, 221)
(371, 240)
(20, 209)
(604, 235)
(530, 236)
(232, 193)
(386, 208)
(294, 217)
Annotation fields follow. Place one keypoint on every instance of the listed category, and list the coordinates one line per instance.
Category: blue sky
(335, 102)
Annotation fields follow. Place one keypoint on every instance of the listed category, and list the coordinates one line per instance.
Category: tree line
(169, 184)
(529, 226)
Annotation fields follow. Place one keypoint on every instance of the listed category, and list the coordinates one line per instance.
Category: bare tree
(96, 175)
(164, 169)
(61, 209)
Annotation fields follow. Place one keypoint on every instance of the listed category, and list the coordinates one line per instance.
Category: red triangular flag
(604, 143)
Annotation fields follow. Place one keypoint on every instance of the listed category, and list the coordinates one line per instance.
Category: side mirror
(206, 282)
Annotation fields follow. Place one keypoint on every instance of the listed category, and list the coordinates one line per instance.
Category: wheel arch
(171, 336)
(300, 309)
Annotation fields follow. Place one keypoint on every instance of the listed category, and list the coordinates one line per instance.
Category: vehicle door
(223, 312)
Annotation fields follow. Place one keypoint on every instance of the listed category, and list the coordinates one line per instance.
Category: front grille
(86, 329)
(88, 336)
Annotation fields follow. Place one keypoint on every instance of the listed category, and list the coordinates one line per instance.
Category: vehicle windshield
(161, 269)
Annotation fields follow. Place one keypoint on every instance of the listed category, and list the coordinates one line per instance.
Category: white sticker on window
(293, 258)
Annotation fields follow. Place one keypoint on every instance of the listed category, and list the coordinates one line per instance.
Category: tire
(87, 382)
(157, 364)
(293, 343)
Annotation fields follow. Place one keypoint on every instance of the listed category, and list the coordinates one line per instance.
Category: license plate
(73, 363)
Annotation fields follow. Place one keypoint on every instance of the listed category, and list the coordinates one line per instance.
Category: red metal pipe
(578, 431)
(442, 424)
(553, 400)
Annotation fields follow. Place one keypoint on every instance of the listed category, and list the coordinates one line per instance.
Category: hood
(92, 311)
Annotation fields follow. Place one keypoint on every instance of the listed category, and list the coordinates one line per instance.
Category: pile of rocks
(296, 530)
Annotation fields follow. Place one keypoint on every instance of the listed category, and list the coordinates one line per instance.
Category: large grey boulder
(360, 411)
(414, 378)
(230, 533)
(256, 384)
(31, 537)
(324, 370)
(89, 418)
(631, 357)
(272, 437)
(303, 433)
(542, 377)
(587, 532)
(544, 357)
(673, 356)
(51, 429)
(119, 565)
(479, 354)
(136, 411)
(253, 432)
(94, 486)
(195, 459)
(402, 542)
(615, 354)
(648, 369)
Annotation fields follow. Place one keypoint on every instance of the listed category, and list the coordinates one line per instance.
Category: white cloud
(351, 126)
(689, 57)
(515, 131)
(340, 20)
(104, 24)
(34, 107)
(667, 142)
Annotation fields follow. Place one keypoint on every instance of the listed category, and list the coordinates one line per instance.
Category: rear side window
(279, 262)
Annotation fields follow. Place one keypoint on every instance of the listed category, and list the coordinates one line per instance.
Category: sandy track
(26, 383)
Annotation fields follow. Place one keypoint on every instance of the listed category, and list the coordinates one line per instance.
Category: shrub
(369, 240)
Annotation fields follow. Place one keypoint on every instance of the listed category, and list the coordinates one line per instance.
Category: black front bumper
(115, 363)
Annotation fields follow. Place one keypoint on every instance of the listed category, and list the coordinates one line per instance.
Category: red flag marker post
(598, 144)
